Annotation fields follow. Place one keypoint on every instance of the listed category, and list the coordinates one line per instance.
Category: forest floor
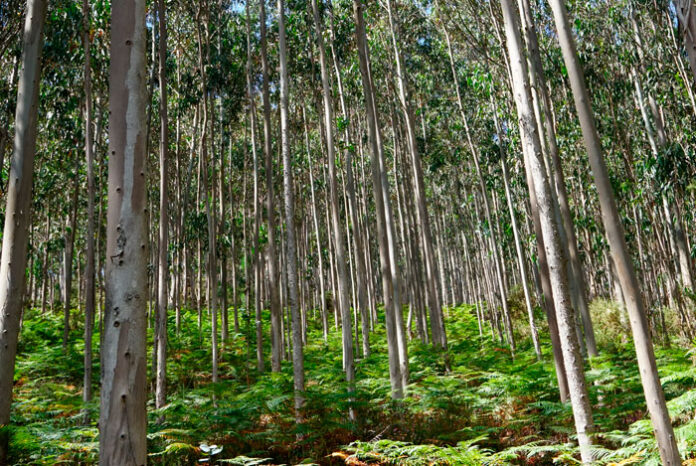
(489, 409)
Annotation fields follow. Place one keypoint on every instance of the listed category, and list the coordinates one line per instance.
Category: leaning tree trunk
(567, 228)
(519, 248)
(17, 210)
(650, 379)
(484, 192)
(123, 418)
(559, 280)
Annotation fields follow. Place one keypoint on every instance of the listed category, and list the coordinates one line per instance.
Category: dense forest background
(347, 232)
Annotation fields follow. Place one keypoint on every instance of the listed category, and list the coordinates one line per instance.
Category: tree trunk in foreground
(579, 397)
(123, 418)
(654, 396)
(17, 210)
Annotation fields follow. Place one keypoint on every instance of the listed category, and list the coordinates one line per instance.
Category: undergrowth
(490, 408)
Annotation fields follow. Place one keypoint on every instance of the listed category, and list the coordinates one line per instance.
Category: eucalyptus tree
(389, 282)
(162, 267)
(422, 216)
(89, 274)
(272, 258)
(579, 397)
(549, 145)
(257, 207)
(338, 237)
(123, 417)
(291, 259)
(654, 395)
(17, 209)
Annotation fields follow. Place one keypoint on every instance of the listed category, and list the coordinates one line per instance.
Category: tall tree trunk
(123, 418)
(257, 207)
(161, 317)
(559, 281)
(542, 102)
(315, 219)
(389, 292)
(203, 19)
(17, 210)
(291, 257)
(89, 240)
(353, 205)
(484, 192)
(652, 388)
(342, 272)
(518, 245)
(422, 218)
(274, 279)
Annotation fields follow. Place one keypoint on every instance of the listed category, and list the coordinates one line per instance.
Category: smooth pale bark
(161, 316)
(89, 292)
(579, 397)
(432, 279)
(388, 291)
(341, 268)
(274, 278)
(290, 246)
(123, 418)
(222, 214)
(17, 210)
(652, 388)
(546, 298)
(543, 111)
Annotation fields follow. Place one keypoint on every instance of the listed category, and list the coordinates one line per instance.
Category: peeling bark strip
(17, 210)
(123, 395)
